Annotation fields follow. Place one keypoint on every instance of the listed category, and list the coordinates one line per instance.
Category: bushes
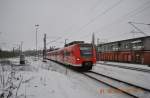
(8, 54)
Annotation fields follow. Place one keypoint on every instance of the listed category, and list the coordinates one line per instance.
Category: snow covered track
(127, 67)
(122, 86)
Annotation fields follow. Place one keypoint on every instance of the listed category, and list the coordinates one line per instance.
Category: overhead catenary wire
(101, 14)
(98, 2)
(132, 13)
(53, 40)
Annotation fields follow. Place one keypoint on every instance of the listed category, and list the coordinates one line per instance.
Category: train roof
(74, 42)
(126, 40)
(77, 42)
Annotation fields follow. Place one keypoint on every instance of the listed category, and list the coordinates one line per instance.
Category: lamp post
(21, 46)
(36, 30)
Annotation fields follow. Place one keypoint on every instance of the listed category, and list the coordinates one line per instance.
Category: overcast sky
(70, 19)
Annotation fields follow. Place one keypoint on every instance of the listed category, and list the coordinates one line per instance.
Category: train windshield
(86, 51)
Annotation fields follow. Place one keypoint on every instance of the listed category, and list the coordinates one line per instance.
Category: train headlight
(78, 59)
(94, 58)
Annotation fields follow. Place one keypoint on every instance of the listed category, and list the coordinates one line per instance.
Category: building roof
(126, 40)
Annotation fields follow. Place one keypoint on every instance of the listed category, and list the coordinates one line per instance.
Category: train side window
(71, 52)
(66, 53)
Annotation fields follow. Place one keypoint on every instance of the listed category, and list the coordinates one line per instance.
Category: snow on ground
(14, 60)
(126, 64)
(135, 77)
(46, 84)
(49, 80)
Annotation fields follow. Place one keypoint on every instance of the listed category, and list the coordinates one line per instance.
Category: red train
(77, 54)
(136, 50)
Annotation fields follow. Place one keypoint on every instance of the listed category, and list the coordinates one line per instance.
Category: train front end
(87, 56)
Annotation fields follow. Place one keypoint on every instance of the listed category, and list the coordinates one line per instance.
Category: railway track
(127, 67)
(132, 90)
(122, 86)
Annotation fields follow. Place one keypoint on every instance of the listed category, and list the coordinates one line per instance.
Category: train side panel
(81, 56)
